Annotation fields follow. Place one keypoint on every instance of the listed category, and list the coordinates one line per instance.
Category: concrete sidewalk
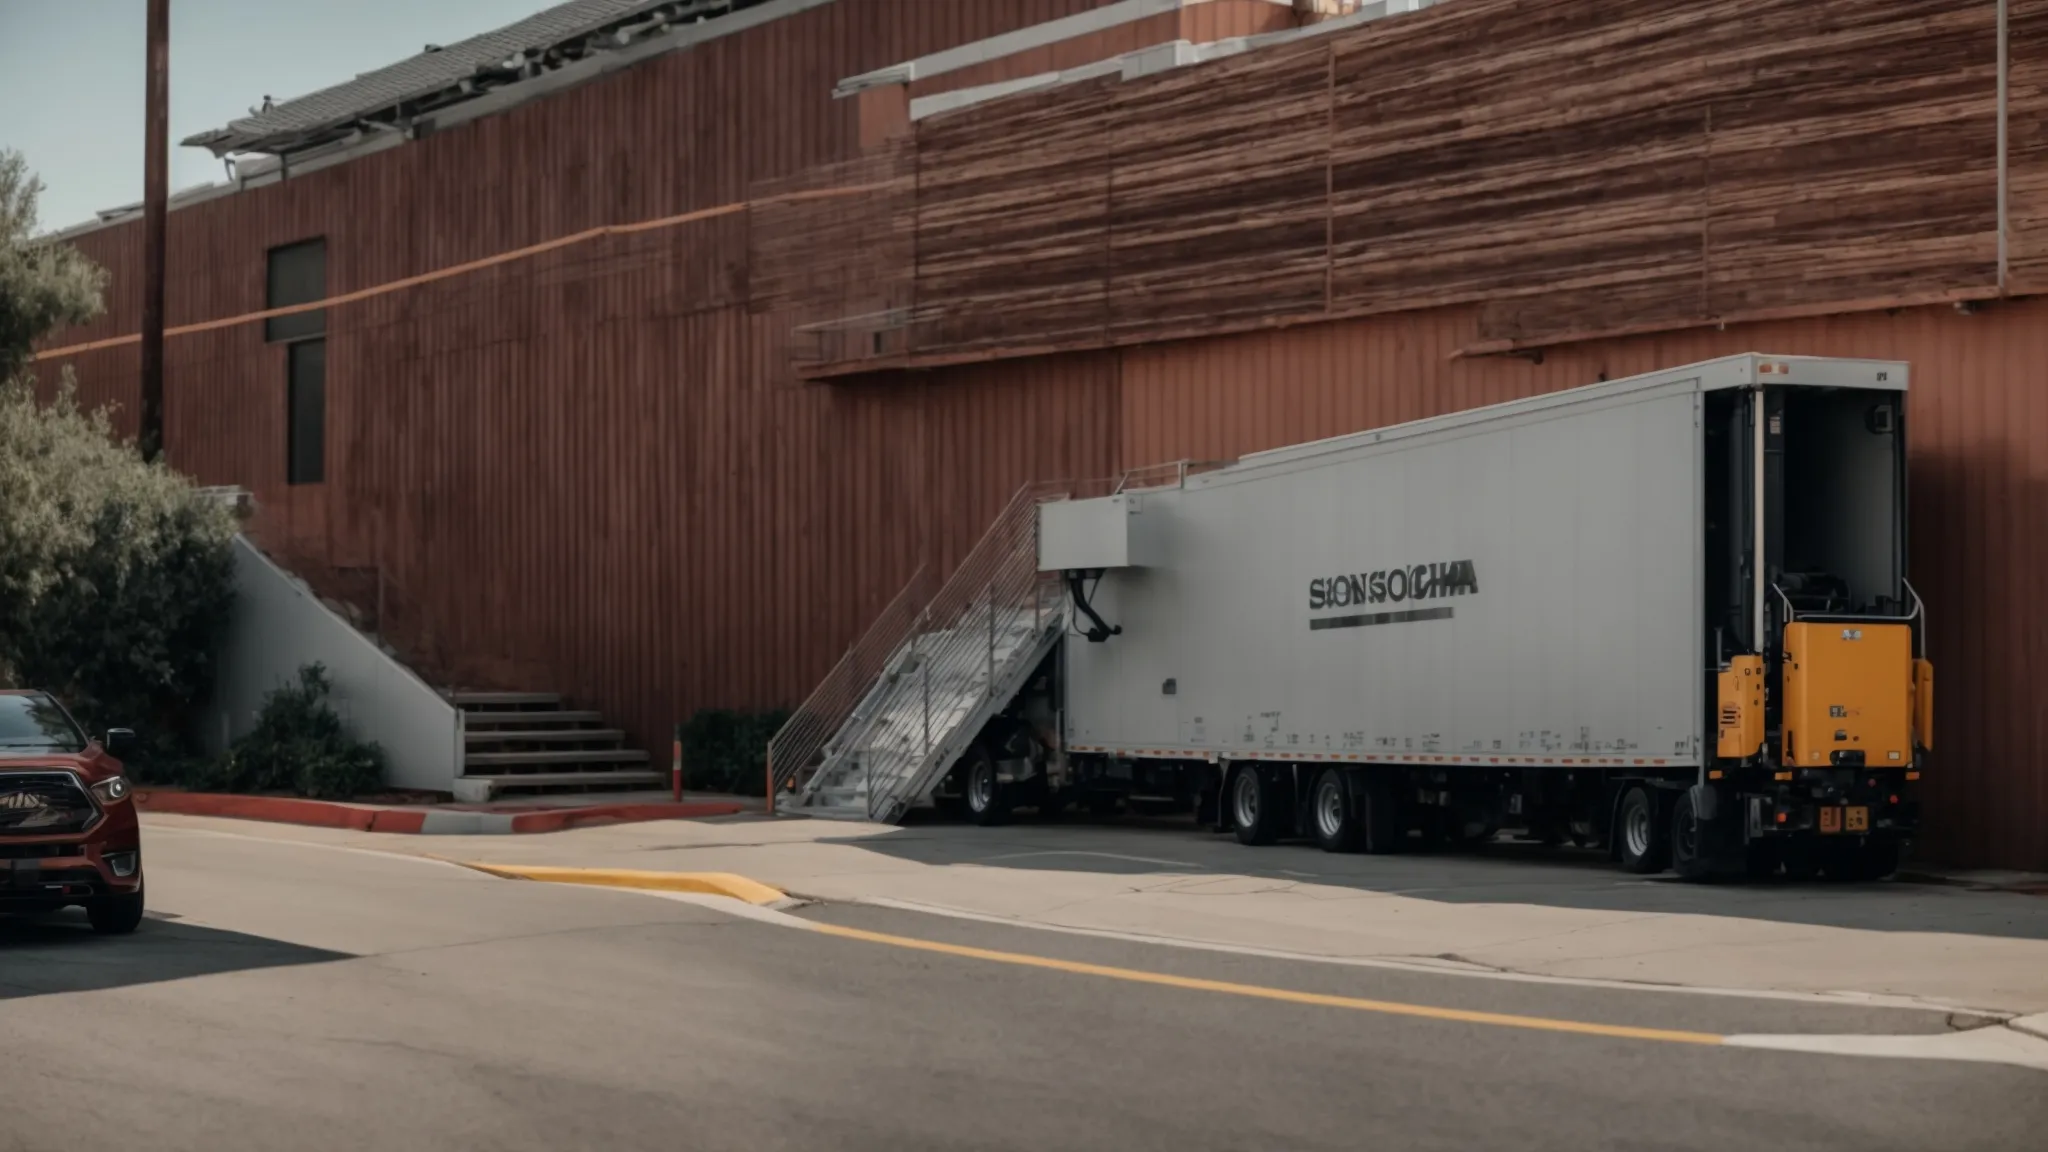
(1509, 909)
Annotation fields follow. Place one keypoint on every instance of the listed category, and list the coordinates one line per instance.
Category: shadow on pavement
(59, 953)
(1503, 872)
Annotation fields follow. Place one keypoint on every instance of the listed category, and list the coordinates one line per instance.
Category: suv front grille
(44, 804)
(39, 851)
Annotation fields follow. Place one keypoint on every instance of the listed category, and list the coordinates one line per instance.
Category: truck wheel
(115, 915)
(1645, 840)
(1258, 810)
(988, 802)
(1333, 817)
(1689, 855)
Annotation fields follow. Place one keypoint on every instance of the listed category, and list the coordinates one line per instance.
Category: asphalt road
(298, 997)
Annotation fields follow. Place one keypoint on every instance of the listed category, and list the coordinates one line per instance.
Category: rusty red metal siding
(591, 471)
(1978, 420)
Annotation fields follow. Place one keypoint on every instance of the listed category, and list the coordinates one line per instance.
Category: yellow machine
(1923, 703)
(1851, 695)
(1742, 709)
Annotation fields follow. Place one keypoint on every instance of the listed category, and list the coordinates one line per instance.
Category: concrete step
(474, 760)
(530, 718)
(544, 736)
(505, 700)
(482, 787)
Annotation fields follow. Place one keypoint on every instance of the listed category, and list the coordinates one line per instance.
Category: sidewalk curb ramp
(702, 883)
(427, 821)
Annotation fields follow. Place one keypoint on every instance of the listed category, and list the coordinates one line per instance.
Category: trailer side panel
(1516, 591)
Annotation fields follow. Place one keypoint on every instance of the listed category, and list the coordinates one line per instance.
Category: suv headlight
(112, 790)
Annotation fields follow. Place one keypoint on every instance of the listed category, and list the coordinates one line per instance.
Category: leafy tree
(116, 576)
(43, 287)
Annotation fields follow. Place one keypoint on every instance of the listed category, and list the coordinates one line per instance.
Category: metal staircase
(911, 696)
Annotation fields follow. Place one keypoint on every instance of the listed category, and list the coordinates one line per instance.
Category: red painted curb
(282, 810)
(325, 814)
(557, 820)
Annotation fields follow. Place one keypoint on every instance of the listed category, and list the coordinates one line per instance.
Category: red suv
(68, 833)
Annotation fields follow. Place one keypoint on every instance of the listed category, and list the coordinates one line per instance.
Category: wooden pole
(155, 196)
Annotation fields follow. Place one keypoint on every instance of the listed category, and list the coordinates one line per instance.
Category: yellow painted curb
(707, 883)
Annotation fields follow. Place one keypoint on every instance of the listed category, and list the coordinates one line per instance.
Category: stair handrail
(826, 710)
(919, 630)
(1000, 574)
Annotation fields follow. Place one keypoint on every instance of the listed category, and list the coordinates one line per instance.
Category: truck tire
(1333, 815)
(988, 801)
(1691, 854)
(1645, 840)
(1257, 806)
(115, 915)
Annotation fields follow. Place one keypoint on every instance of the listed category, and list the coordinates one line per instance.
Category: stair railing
(946, 635)
(799, 747)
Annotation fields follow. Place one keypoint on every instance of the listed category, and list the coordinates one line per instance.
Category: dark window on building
(298, 275)
(306, 412)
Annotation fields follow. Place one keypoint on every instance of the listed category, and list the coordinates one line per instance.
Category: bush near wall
(727, 751)
(297, 746)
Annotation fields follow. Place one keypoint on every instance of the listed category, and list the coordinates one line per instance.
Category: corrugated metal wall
(1978, 426)
(593, 471)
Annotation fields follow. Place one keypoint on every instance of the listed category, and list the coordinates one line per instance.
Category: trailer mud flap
(1706, 802)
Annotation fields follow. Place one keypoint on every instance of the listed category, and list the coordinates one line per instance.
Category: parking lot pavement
(1508, 909)
(315, 995)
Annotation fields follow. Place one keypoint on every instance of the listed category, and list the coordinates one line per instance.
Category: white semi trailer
(1667, 614)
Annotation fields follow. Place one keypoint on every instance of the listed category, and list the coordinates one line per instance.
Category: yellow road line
(1317, 999)
(706, 883)
(754, 892)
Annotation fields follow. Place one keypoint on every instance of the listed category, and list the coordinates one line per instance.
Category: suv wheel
(115, 915)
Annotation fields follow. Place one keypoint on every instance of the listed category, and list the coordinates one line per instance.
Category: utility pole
(155, 197)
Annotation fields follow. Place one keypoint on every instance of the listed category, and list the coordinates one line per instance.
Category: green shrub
(297, 746)
(727, 751)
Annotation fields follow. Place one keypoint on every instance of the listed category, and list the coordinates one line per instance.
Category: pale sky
(71, 77)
